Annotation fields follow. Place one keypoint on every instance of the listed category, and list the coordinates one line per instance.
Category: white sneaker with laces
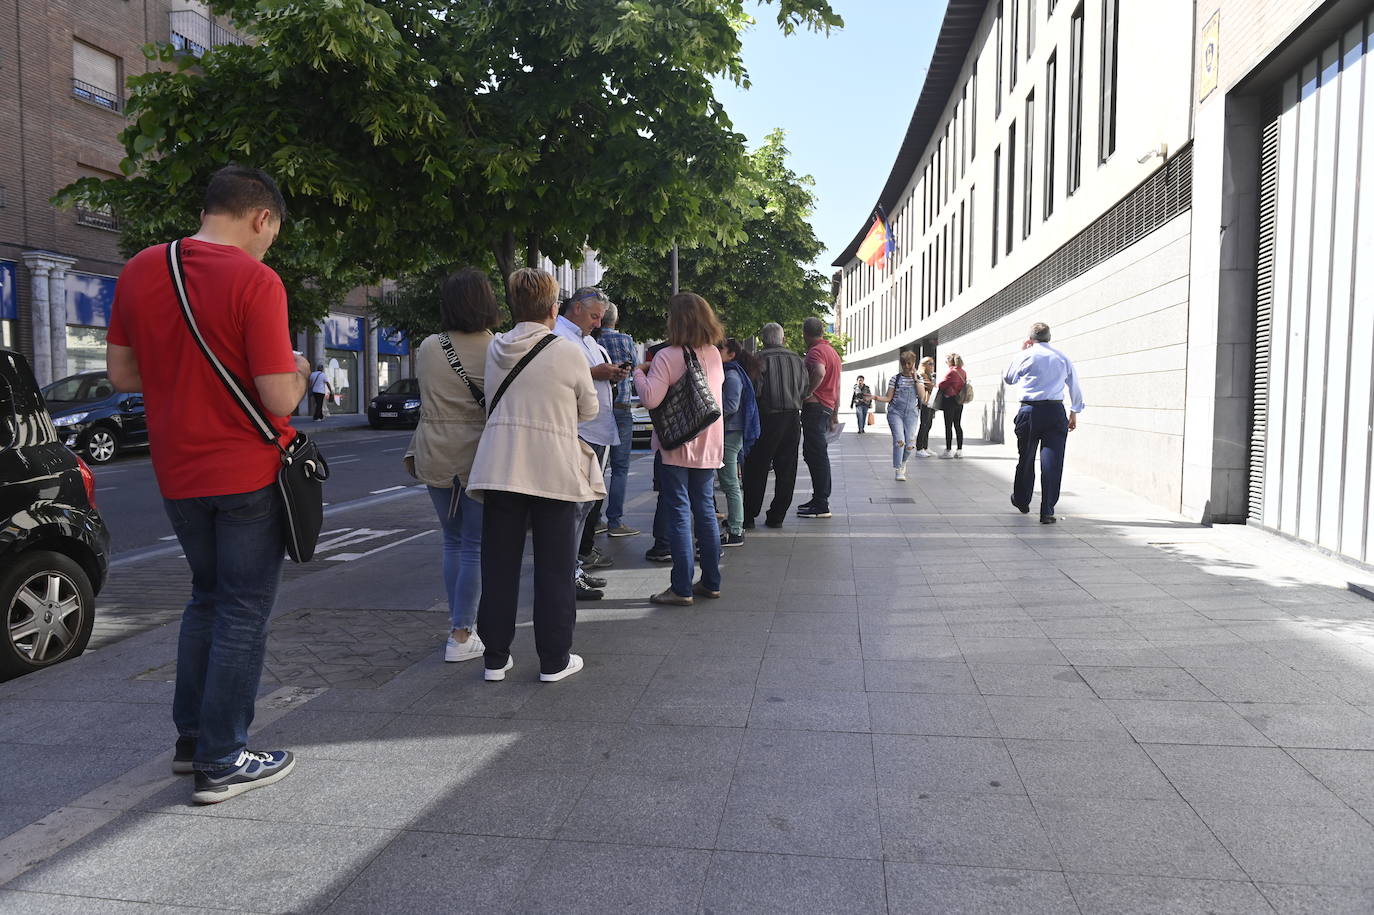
(495, 675)
(901, 474)
(574, 665)
(946, 454)
(925, 452)
(455, 650)
(959, 453)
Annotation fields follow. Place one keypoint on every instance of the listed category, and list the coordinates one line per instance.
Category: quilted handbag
(687, 408)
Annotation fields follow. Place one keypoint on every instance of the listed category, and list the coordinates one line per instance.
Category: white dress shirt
(1043, 371)
(601, 430)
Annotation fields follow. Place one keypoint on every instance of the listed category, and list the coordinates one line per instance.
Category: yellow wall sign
(1208, 53)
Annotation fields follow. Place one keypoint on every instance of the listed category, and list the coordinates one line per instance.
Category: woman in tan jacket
(449, 366)
(531, 470)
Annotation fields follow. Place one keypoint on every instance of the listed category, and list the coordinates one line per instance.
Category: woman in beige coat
(449, 367)
(531, 470)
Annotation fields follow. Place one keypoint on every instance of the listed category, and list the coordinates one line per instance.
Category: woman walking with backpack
(952, 402)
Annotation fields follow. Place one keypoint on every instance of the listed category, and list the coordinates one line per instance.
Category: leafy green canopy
(759, 276)
(413, 134)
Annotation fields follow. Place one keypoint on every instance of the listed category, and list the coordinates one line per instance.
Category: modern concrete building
(1175, 188)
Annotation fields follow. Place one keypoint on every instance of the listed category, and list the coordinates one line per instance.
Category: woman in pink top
(685, 481)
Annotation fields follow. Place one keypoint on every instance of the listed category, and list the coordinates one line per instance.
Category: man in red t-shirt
(215, 472)
(820, 413)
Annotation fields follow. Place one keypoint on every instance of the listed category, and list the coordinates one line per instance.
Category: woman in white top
(449, 367)
(531, 471)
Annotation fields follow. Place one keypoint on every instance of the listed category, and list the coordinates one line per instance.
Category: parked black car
(398, 405)
(54, 546)
(92, 417)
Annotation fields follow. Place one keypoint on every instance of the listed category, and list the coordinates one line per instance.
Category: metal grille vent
(1162, 196)
(1264, 301)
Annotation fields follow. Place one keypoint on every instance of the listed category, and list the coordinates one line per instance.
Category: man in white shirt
(1042, 426)
(579, 317)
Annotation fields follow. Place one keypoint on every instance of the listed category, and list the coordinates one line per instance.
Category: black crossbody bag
(300, 481)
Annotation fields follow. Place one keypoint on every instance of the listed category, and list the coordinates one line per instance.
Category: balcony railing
(96, 95)
(193, 33)
(97, 219)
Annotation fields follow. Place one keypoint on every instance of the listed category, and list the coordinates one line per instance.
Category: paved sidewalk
(929, 703)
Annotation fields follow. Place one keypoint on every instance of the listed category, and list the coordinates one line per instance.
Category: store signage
(90, 299)
(9, 299)
(1208, 57)
(343, 332)
(391, 342)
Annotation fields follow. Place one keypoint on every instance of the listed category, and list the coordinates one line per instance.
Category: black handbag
(300, 481)
(688, 407)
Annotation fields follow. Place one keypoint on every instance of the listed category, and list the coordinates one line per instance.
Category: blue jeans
(861, 415)
(730, 485)
(902, 421)
(620, 468)
(1041, 427)
(462, 554)
(234, 545)
(685, 497)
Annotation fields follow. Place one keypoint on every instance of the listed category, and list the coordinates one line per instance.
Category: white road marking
(338, 456)
(378, 492)
(390, 450)
(335, 462)
(349, 557)
(173, 537)
(350, 538)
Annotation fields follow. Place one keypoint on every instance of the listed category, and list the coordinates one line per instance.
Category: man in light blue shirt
(1042, 426)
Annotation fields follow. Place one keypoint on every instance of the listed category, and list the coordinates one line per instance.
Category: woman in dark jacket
(741, 414)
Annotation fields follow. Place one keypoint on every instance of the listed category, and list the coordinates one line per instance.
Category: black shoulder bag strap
(233, 385)
(477, 393)
(519, 367)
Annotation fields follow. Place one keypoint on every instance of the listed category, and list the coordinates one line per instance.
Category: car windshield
(79, 389)
(404, 386)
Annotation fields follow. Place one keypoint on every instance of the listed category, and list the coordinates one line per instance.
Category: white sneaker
(494, 675)
(901, 474)
(574, 665)
(455, 650)
(925, 452)
(946, 454)
(959, 453)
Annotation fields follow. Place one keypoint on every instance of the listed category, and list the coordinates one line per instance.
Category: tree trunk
(504, 249)
(532, 249)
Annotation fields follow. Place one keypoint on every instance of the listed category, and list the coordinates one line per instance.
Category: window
(1015, 34)
(997, 94)
(996, 200)
(1051, 107)
(1028, 175)
(1075, 138)
(95, 76)
(959, 267)
(1030, 28)
(971, 246)
(1011, 185)
(973, 112)
(1106, 133)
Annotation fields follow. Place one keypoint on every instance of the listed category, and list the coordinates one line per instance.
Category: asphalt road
(363, 462)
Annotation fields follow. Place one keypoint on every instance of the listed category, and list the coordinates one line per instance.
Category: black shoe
(592, 581)
(1023, 509)
(813, 511)
(749, 525)
(1047, 519)
(655, 554)
(732, 540)
(773, 524)
(181, 759)
(586, 592)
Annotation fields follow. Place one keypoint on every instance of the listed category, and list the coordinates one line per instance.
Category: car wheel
(101, 445)
(49, 611)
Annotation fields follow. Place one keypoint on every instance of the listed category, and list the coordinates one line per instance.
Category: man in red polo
(820, 413)
(216, 474)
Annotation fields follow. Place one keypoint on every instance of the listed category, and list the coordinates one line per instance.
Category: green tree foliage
(413, 134)
(762, 276)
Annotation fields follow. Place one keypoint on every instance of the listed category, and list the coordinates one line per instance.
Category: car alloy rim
(102, 446)
(44, 617)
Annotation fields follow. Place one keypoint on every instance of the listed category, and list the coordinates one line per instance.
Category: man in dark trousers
(217, 476)
(820, 413)
(782, 384)
(1042, 426)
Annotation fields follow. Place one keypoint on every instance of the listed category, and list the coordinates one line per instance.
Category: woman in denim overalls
(902, 401)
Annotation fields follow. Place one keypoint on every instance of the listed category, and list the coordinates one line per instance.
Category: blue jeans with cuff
(462, 553)
(686, 501)
(903, 423)
(234, 545)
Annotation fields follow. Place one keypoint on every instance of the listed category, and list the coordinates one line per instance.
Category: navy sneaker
(181, 759)
(813, 511)
(657, 554)
(253, 769)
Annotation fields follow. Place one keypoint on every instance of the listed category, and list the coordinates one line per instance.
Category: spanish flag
(876, 243)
